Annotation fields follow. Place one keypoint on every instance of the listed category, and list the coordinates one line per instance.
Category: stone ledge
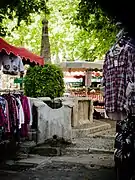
(79, 151)
(104, 136)
(59, 151)
(91, 160)
(86, 131)
(100, 151)
(47, 151)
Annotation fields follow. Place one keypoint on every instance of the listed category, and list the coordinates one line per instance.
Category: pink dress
(25, 106)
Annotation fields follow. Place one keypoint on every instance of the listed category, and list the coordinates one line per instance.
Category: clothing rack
(11, 91)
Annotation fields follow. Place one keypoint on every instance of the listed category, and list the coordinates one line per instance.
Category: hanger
(120, 40)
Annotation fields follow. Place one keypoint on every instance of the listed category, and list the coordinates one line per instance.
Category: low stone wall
(82, 111)
(57, 117)
(51, 121)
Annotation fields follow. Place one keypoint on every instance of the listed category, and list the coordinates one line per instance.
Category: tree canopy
(114, 10)
(19, 9)
(83, 34)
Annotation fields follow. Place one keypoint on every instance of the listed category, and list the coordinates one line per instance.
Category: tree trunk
(45, 44)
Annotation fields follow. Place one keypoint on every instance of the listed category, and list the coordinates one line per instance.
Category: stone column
(45, 44)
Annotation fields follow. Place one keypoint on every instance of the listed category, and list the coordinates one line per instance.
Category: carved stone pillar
(45, 44)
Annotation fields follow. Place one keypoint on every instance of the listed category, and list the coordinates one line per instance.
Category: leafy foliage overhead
(20, 9)
(44, 81)
(90, 16)
(115, 10)
(86, 36)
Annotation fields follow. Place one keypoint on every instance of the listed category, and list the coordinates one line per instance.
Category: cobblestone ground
(70, 171)
(64, 171)
(99, 143)
(99, 140)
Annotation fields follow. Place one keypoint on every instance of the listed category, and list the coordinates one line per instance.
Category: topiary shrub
(44, 81)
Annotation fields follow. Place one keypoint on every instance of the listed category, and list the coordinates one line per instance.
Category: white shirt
(11, 65)
(20, 113)
(30, 108)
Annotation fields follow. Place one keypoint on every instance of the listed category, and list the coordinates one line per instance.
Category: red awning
(26, 54)
(22, 52)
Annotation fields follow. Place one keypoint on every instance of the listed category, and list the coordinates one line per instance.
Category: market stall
(23, 56)
(83, 78)
(15, 108)
(27, 56)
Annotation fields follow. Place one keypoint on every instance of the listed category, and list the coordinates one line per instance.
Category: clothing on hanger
(15, 115)
(119, 77)
(117, 73)
(11, 64)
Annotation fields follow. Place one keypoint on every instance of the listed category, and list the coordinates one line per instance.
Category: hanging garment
(124, 154)
(30, 109)
(2, 117)
(11, 64)
(4, 114)
(26, 108)
(117, 116)
(15, 116)
(7, 116)
(12, 111)
(117, 73)
(124, 139)
(3, 104)
(4, 121)
(20, 113)
(25, 126)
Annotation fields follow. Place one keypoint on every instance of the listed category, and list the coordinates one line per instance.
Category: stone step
(35, 162)
(47, 151)
(31, 162)
(91, 142)
(95, 161)
(108, 134)
(12, 165)
(81, 151)
(69, 151)
(79, 146)
(84, 132)
(26, 147)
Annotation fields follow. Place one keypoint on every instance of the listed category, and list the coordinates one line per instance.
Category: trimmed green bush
(44, 81)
